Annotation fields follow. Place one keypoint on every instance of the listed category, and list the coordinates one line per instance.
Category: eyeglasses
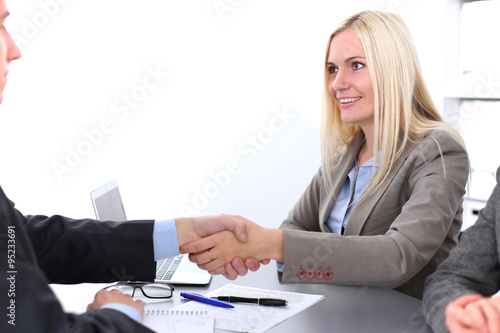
(148, 289)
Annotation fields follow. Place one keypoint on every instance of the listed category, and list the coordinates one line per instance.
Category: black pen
(260, 301)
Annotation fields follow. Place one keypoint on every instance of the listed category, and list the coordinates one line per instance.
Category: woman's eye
(332, 70)
(358, 65)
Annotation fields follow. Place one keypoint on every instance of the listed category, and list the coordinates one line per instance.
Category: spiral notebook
(179, 321)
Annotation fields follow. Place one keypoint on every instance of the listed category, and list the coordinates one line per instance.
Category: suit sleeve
(75, 251)
(432, 183)
(472, 267)
(28, 303)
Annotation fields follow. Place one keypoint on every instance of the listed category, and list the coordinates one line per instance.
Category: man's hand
(190, 229)
(115, 296)
(216, 252)
(473, 313)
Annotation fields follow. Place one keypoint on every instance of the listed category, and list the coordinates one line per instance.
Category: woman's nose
(340, 82)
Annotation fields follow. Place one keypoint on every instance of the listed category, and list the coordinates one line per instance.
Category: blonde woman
(385, 207)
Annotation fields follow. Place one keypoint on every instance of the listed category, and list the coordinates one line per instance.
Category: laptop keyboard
(166, 268)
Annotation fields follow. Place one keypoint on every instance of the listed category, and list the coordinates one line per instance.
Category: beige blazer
(397, 236)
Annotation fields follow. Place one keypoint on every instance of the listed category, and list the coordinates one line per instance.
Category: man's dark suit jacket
(56, 249)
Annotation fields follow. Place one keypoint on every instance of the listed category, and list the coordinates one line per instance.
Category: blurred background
(206, 107)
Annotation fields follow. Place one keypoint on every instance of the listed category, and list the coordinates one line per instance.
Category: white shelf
(471, 99)
(478, 85)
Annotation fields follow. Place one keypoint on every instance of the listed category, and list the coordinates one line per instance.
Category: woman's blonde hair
(403, 108)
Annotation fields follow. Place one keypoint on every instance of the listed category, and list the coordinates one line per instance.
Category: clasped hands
(222, 244)
(232, 252)
(473, 313)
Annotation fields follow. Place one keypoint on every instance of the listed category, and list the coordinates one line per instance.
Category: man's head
(8, 49)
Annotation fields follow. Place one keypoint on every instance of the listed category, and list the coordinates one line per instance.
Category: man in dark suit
(38, 250)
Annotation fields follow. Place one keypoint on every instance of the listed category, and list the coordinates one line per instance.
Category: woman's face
(350, 84)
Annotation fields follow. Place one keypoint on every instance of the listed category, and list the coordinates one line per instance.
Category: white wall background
(225, 74)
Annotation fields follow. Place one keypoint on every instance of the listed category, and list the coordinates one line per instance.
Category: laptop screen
(108, 206)
(107, 203)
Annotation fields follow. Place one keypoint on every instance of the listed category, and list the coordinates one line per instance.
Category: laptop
(108, 206)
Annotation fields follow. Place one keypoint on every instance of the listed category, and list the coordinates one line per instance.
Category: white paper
(171, 321)
(252, 317)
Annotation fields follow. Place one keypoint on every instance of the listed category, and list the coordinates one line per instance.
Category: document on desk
(165, 321)
(252, 317)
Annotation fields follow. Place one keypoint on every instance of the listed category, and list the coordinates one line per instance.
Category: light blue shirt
(165, 239)
(165, 245)
(355, 183)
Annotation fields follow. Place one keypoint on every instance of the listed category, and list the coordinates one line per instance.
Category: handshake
(227, 244)
(221, 244)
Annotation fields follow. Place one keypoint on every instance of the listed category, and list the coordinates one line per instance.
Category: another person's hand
(214, 253)
(238, 267)
(473, 313)
(115, 296)
(190, 229)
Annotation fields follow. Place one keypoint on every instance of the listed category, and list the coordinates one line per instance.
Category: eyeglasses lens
(157, 290)
(152, 290)
(126, 289)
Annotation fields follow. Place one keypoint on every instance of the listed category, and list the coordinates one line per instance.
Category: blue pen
(200, 298)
